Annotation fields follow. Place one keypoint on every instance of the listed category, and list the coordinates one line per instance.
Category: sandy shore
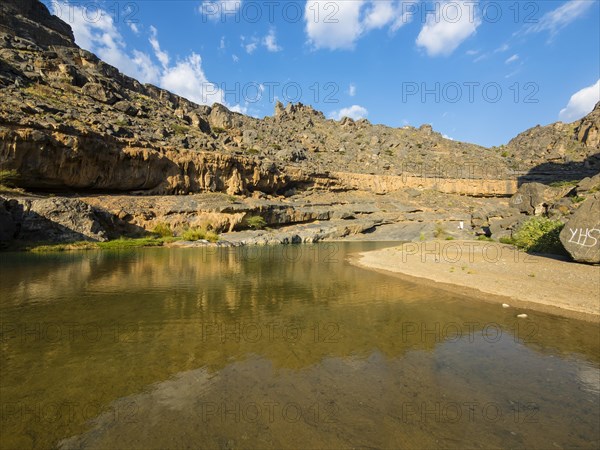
(496, 272)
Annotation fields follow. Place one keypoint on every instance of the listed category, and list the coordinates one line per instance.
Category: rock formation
(76, 126)
(581, 234)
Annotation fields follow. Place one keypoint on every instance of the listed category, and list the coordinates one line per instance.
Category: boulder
(581, 234)
(504, 228)
(291, 154)
(50, 220)
(588, 184)
(534, 198)
(221, 117)
(97, 92)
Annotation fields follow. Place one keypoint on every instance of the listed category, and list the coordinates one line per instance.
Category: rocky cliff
(73, 125)
(70, 121)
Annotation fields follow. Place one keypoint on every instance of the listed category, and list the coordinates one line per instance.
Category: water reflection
(172, 348)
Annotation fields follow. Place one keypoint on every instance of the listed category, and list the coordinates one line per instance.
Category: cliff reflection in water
(180, 333)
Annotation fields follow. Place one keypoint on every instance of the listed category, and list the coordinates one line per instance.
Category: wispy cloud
(270, 42)
(512, 59)
(557, 19)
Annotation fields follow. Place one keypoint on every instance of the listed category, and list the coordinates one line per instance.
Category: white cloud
(222, 44)
(502, 48)
(147, 71)
(555, 20)
(251, 48)
(134, 28)
(442, 34)
(354, 112)
(162, 56)
(270, 41)
(472, 52)
(339, 24)
(235, 58)
(240, 109)
(102, 38)
(352, 90)
(581, 103)
(513, 73)
(513, 58)
(185, 78)
(379, 14)
(220, 10)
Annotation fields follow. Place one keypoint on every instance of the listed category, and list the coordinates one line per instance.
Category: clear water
(278, 347)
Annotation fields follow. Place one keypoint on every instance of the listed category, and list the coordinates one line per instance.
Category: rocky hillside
(70, 121)
(560, 147)
(98, 155)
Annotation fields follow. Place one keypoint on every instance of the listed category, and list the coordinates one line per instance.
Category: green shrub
(8, 177)
(540, 235)
(504, 154)
(439, 230)
(564, 183)
(162, 229)
(218, 130)
(483, 237)
(198, 233)
(125, 243)
(256, 222)
(180, 129)
(507, 240)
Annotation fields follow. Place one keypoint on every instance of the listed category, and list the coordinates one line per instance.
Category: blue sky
(478, 71)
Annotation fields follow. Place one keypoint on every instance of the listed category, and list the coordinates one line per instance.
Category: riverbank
(495, 273)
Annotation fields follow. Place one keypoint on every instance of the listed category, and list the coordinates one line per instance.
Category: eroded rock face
(587, 130)
(50, 220)
(581, 234)
(89, 161)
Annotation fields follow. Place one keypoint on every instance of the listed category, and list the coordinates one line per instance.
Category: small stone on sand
(522, 316)
(505, 305)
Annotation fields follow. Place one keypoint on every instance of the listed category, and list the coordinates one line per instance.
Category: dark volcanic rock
(50, 220)
(535, 198)
(34, 23)
(581, 235)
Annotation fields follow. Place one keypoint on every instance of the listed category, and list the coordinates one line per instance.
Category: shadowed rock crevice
(54, 220)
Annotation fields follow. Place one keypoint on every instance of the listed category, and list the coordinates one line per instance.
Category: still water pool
(278, 347)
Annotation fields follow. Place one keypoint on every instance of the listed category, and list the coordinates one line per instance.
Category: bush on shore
(539, 235)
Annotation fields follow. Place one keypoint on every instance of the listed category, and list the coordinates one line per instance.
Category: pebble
(522, 316)
(505, 305)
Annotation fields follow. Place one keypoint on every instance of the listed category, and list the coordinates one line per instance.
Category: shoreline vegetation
(162, 236)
